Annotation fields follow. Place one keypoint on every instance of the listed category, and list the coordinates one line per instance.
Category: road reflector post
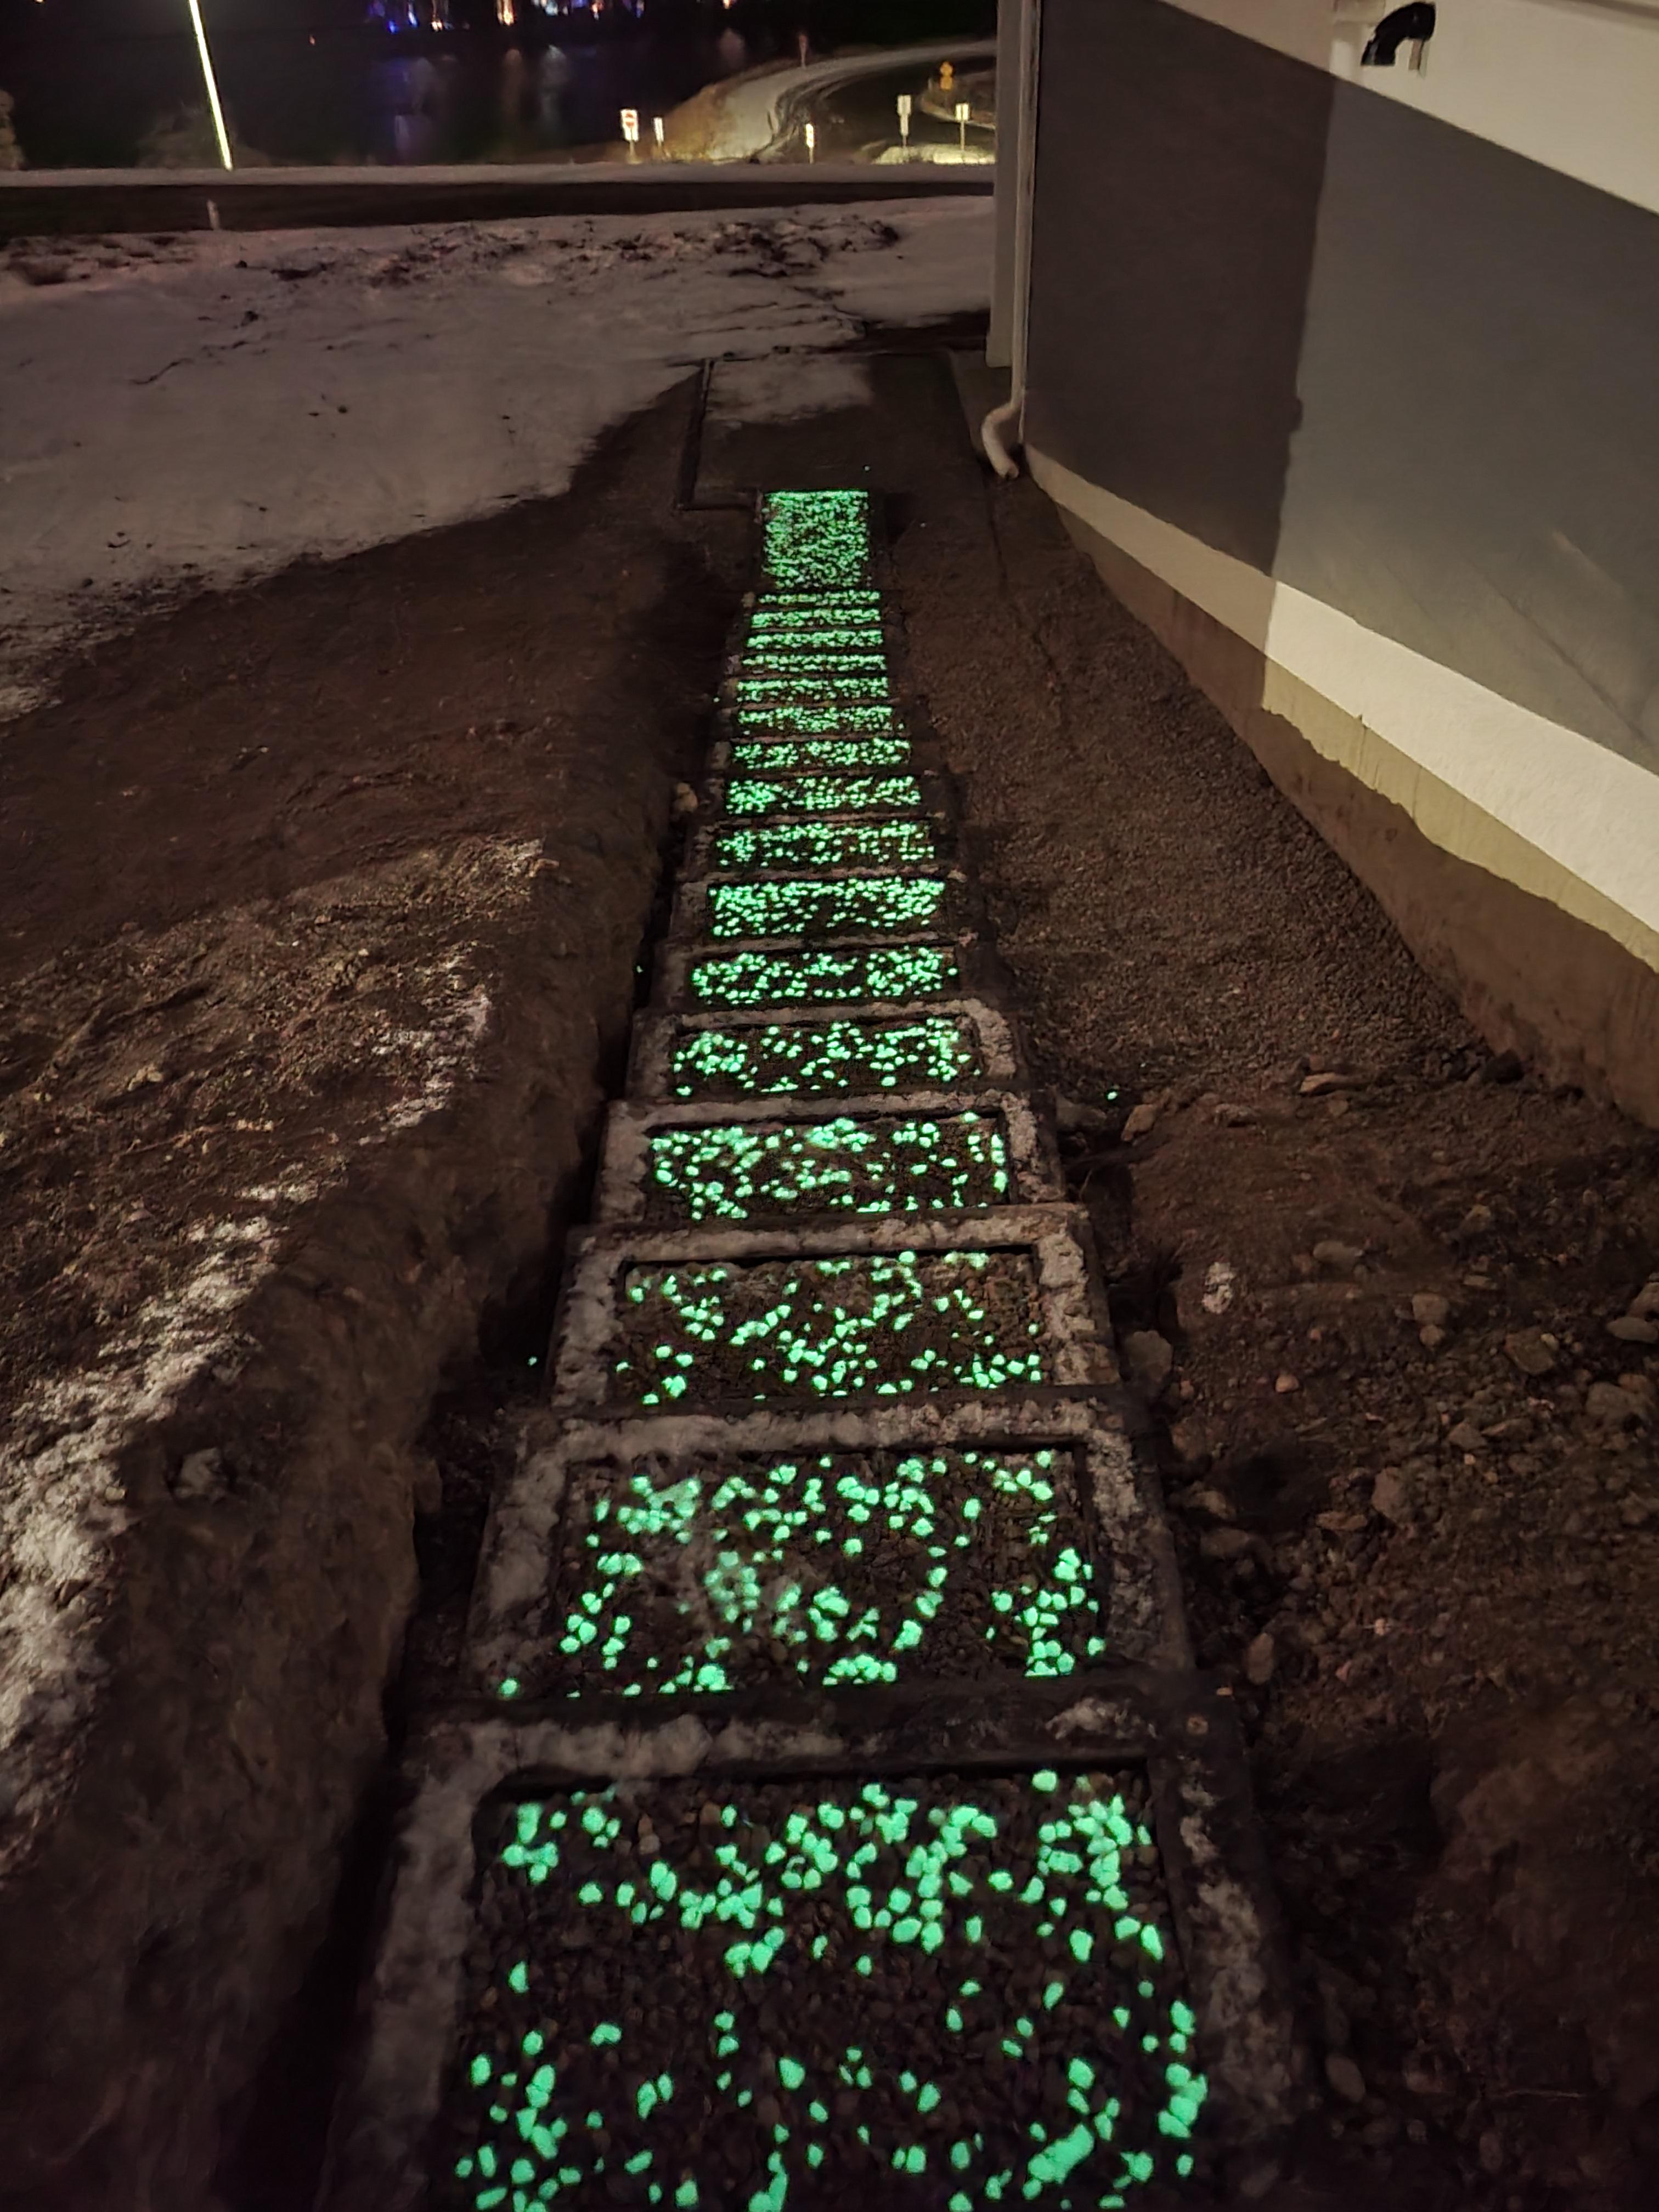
(961, 125)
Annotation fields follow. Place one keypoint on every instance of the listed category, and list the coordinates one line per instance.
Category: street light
(212, 88)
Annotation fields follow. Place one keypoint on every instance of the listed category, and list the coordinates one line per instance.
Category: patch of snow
(256, 397)
(62, 1507)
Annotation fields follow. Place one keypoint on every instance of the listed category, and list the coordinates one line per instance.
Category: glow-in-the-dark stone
(811, 718)
(713, 1576)
(757, 694)
(932, 1052)
(823, 794)
(855, 623)
(798, 659)
(815, 541)
(820, 845)
(829, 975)
(888, 1323)
(981, 2058)
(785, 756)
(780, 609)
(824, 906)
(735, 1171)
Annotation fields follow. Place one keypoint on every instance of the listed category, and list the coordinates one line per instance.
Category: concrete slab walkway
(830, 1802)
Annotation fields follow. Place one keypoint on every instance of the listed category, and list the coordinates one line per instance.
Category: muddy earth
(323, 903)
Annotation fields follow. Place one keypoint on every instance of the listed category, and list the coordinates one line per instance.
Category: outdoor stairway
(835, 1809)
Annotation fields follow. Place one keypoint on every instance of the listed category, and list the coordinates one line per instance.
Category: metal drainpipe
(994, 431)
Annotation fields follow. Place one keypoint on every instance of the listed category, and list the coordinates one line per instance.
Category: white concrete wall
(1573, 84)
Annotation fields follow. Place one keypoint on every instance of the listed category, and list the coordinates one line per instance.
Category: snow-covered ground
(204, 408)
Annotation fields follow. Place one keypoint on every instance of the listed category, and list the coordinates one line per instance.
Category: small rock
(1328, 1080)
(1637, 1512)
(1072, 1115)
(1261, 1658)
(1190, 1445)
(1430, 1309)
(1466, 1437)
(1335, 1106)
(201, 1475)
(1284, 1384)
(1147, 1360)
(1476, 1222)
(1633, 1328)
(1391, 1496)
(1612, 1407)
(685, 800)
(1215, 1503)
(1337, 1258)
(1230, 1116)
(1344, 2077)
(1643, 1387)
(1219, 1284)
(1431, 1338)
(1142, 1120)
(1530, 1351)
(1644, 1306)
(1225, 1543)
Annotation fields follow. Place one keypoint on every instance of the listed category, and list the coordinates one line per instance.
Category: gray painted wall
(1389, 362)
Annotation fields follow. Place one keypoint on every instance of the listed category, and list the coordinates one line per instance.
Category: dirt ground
(322, 905)
(281, 1035)
(1385, 1294)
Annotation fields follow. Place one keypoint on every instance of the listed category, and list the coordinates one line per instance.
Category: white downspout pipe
(1003, 429)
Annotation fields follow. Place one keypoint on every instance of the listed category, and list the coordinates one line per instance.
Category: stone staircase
(833, 1806)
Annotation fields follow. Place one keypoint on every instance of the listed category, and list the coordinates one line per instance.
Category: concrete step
(830, 1808)
(1001, 1944)
(911, 1306)
(671, 1166)
(819, 1053)
(1017, 1538)
(865, 977)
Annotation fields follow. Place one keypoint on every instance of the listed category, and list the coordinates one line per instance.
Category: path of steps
(834, 1809)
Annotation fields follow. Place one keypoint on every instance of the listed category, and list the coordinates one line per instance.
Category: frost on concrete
(64, 1506)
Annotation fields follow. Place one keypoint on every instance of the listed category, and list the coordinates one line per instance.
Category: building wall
(1374, 394)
